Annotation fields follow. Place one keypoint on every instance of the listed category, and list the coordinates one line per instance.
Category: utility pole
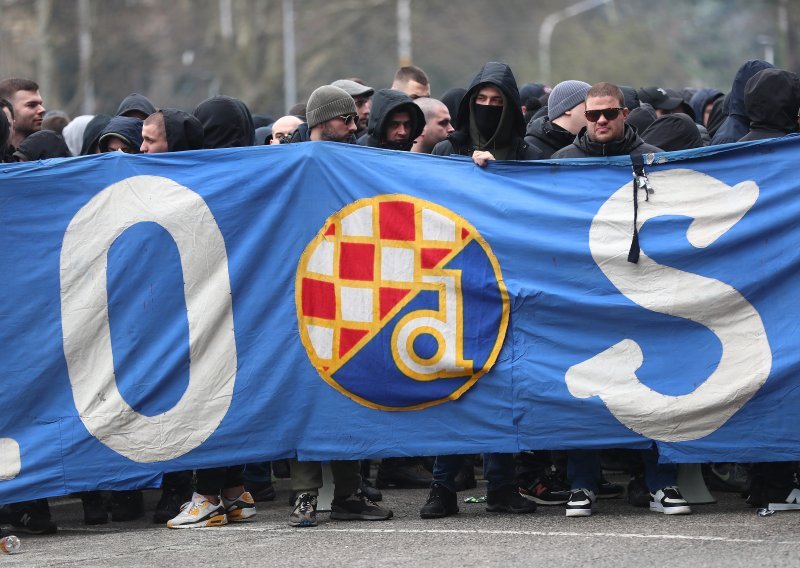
(289, 64)
(85, 56)
(404, 32)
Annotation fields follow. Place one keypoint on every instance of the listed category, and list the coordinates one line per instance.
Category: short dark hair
(9, 87)
(411, 73)
(606, 90)
(5, 103)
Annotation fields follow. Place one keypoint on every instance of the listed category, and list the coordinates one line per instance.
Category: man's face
(489, 95)
(398, 127)
(416, 90)
(438, 127)
(117, 145)
(154, 139)
(605, 130)
(283, 128)
(339, 129)
(363, 105)
(28, 111)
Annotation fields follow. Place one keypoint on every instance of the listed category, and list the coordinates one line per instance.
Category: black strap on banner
(640, 181)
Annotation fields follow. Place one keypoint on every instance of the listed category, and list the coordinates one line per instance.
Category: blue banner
(199, 309)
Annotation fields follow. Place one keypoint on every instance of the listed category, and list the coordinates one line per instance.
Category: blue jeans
(583, 470)
(498, 469)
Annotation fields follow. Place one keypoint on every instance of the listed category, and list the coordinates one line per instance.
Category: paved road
(726, 534)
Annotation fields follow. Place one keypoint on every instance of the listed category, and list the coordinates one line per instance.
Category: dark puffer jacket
(583, 147)
(772, 100)
(507, 142)
(549, 138)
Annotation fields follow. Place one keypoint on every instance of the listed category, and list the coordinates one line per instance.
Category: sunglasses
(348, 118)
(609, 113)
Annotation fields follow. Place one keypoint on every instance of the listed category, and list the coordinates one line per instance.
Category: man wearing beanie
(489, 119)
(331, 116)
(563, 121)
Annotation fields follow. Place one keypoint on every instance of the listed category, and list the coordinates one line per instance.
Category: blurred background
(89, 54)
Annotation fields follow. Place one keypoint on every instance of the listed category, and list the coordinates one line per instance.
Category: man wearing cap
(361, 96)
(331, 116)
(564, 118)
(395, 121)
(665, 101)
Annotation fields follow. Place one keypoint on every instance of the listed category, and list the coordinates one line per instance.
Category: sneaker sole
(302, 524)
(240, 515)
(215, 521)
(543, 502)
(783, 506)
(678, 510)
(579, 512)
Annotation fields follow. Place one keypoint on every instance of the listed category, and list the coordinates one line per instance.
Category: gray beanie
(566, 96)
(328, 102)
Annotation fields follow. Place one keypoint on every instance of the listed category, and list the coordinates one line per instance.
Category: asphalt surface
(724, 534)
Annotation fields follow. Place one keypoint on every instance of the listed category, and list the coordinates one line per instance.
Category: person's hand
(482, 158)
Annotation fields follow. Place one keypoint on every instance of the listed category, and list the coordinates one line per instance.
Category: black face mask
(487, 118)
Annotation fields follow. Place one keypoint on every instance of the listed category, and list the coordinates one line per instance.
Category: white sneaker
(239, 508)
(198, 513)
(669, 501)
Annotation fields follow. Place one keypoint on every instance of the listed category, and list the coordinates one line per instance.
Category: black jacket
(184, 131)
(226, 121)
(384, 103)
(673, 132)
(42, 145)
(772, 100)
(736, 124)
(136, 102)
(549, 138)
(507, 142)
(583, 147)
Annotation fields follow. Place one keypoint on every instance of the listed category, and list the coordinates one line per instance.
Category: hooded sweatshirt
(583, 147)
(136, 103)
(699, 101)
(42, 145)
(125, 128)
(91, 134)
(386, 102)
(642, 117)
(673, 132)
(226, 121)
(772, 100)
(506, 142)
(548, 137)
(6, 150)
(736, 124)
(184, 131)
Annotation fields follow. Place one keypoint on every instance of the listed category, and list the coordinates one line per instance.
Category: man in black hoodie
(606, 132)
(136, 106)
(171, 130)
(772, 101)
(394, 122)
(489, 119)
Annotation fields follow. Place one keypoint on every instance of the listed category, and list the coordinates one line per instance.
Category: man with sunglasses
(331, 116)
(606, 132)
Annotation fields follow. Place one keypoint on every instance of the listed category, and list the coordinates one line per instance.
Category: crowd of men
(493, 118)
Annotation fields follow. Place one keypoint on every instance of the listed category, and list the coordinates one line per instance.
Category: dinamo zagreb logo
(400, 303)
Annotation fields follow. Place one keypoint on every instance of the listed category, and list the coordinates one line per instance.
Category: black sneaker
(32, 517)
(94, 508)
(547, 490)
(126, 505)
(580, 503)
(402, 473)
(608, 490)
(370, 492)
(441, 503)
(508, 500)
(669, 501)
(357, 507)
(169, 505)
(261, 490)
